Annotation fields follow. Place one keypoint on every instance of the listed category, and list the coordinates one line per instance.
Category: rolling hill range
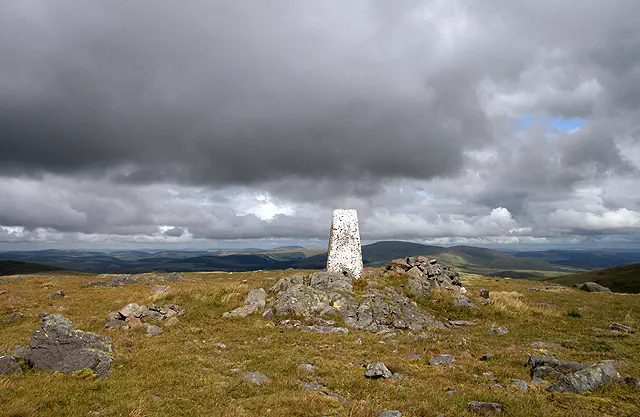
(17, 267)
(466, 258)
(622, 278)
(583, 259)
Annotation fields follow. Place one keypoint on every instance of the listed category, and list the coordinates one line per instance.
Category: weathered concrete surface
(345, 252)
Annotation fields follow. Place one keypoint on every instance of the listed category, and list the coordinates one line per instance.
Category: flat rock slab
(587, 379)
(484, 408)
(442, 359)
(257, 378)
(593, 287)
(389, 413)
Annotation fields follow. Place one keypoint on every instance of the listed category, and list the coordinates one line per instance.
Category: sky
(192, 124)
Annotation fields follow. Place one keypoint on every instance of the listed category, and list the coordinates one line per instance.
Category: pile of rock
(324, 294)
(573, 377)
(425, 274)
(123, 279)
(58, 346)
(134, 315)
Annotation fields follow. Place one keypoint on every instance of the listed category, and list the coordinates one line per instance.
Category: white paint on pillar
(345, 252)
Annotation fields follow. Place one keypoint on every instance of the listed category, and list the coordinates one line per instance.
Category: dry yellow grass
(183, 373)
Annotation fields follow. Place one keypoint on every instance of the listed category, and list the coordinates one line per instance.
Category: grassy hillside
(623, 278)
(185, 371)
(17, 267)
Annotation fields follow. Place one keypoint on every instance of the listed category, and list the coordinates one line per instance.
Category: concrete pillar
(345, 252)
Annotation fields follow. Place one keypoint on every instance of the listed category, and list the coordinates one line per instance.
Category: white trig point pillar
(345, 252)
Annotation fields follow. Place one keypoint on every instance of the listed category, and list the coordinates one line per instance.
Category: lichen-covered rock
(442, 359)
(593, 287)
(586, 379)
(9, 365)
(57, 343)
(420, 287)
(257, 378)
(134, 310)
(377, 370)
(256, 300)
(327, 281)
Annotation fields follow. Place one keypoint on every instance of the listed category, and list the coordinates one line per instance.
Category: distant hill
(623, 278)
(17, 267)
(466, 258)
(589, 259)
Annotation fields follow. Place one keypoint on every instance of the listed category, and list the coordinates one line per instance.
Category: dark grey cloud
(207, 121)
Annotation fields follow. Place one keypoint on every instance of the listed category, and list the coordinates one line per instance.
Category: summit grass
(182, 372)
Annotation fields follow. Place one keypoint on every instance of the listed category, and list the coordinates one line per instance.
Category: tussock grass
(183, 372)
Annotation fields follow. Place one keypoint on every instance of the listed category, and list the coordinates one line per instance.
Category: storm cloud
(199, 122)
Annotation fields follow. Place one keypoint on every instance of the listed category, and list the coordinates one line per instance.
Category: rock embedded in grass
(488, 357)
(9, 365)
(594, 287)
(58, 346)
(587, 379)
(498, 330)
(377, 370)
(621, 328)
(442, 359)
(56, 295)
(484, 408)
(153, 330)
(389, 413)
(307, 367)
(519, 384)
(257, 378)
(255, 300)
(460, 300)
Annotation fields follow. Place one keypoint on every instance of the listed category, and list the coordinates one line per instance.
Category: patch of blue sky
(559, 124)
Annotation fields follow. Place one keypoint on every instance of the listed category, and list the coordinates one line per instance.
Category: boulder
(498, 330)
(622, 328)
(519, 384)
(153, 330)
(56, 295)
(593, 287)
(419, 287)
(255, 300)
(134, 310)
(58, 346)
(377, 370)
(333, 282)
(586, 379)
(9, 365)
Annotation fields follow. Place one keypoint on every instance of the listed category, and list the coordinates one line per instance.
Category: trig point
(345, 253)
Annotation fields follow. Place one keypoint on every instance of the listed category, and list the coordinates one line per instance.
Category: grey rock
(460, 300)
(115, 323)
(593, 287)
(498, 330)
(310, 386)
(519, 384)
(8, 365)
(159, 288)
(377, 370)
(442, 359)
(544, 375)
(488, 357)
(267, 314)
(57, 342)
(587, 379)
(19, 351)
(415, 272)
(257, 378)
(153, 315)
(420, 287)
(546, 345)
(484, 408)
(622, 328)
(329, 281)
(56, 295)
(115, 316)
(335, 395)
(284, 284)
(134, 310)
(324, 329)
(553, 363)
(307, 367)
(484, 293)
(255, 300)
(3, 292)
(93, 359)
(389, 413)
(460, 323)
(153, 330)
(414, 356)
